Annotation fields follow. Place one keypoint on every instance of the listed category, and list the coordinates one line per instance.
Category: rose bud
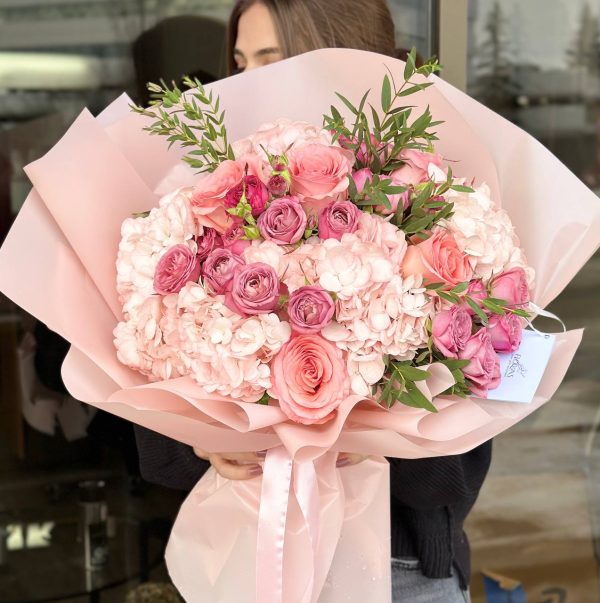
(477, 292)
(257, 195)
(361, 177)
(278, 185)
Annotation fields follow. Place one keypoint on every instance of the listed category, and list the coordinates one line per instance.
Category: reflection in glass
(538, 64)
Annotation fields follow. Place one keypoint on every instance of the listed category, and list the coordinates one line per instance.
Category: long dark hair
(304, 25)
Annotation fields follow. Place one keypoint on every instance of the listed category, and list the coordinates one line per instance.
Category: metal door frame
(451, 27)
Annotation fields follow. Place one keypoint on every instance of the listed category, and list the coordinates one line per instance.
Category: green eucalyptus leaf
(386, 94)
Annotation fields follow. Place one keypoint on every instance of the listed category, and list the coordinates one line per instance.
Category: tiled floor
(538, 516)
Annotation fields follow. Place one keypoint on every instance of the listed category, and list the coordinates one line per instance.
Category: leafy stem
(192, 119)
(400, 386)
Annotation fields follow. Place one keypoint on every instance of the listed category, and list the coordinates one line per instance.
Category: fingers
(246, 465)
(243, 457)
(345, 459)
(201, 453)
(237, 466)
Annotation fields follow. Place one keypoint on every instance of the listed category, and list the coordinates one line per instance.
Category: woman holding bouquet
(430, 498)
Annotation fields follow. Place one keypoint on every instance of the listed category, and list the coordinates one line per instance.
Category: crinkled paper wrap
(58, 262)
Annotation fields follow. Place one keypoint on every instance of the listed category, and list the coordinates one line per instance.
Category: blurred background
(65, 470)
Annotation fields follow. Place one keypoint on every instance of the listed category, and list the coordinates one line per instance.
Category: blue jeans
(409, 585)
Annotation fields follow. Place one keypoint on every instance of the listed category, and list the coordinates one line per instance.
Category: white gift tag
(522, 371)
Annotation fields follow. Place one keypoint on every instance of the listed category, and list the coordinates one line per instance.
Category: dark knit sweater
(430, 498)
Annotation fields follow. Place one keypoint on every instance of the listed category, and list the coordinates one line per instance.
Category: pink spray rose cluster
(457, 335)
(276, 278)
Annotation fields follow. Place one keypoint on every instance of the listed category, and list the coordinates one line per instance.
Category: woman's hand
(346, 459)
(234, 465)
(246, 465)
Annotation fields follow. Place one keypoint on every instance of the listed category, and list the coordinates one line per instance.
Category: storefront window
(536, 521)
(538, 63)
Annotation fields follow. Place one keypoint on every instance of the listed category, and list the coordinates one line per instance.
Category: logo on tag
(515, 367)
(523, 370)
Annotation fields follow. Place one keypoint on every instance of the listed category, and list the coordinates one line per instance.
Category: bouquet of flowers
(304, 287)
(306, 264)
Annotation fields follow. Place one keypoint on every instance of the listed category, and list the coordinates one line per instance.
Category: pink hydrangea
(228, 354)
(391, 319)
(350, 265)
(365, 371)
(145, 239)
(486, 234)
(280, 136)
(299, 267)
(141, 343)
(265, 252)
(378, 230)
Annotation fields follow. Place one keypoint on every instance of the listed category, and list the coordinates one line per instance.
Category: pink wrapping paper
(58, 262)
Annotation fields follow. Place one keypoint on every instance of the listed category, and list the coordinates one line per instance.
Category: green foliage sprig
(457, 295)
(385, 135)
(180, 117)
(400, 386)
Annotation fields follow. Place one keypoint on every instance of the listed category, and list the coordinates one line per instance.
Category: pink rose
(254, 290)
(319, 171)
(396, 199)
(283, 222)
(337, 219)
(484, 369)
(363, 155)
(310, 309)
(438, 259)
(254, 165)
(209, 240)
(309, 379)
(218, 269)
(511, 287)
(233, 239)
(451, 331)
(209, 195)
(477, 292)
(505, 332)
(361, 177)
(416, 168)
(257, 195)
(175, 268)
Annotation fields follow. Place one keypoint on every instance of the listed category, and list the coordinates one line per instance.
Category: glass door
(416, 25)
(537, 520)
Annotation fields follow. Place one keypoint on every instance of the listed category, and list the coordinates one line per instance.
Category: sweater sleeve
(166, 462)
(439, 481)
(420, 483)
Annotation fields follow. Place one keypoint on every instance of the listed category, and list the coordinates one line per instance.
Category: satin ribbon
(306, 489)
(278, 472)
(537, 310)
